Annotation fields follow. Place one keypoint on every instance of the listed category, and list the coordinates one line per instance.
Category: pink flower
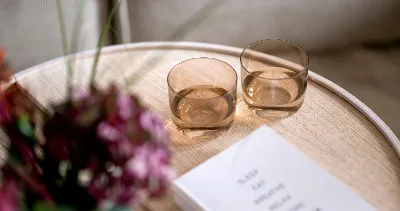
(125, 148)
(150, 122)
(160, 156)
(159, 165)
(138, 167)
(9, 196)
(120, 150)
(161, 172)
(159, 179)
(126, 107)
(80, 94)
(143, 150)
(127, 196)
(26, 153)
(156, 187)
(98, 186)
(5, 115)
(108, 132)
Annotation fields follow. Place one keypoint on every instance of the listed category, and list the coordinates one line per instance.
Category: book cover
(263, 172)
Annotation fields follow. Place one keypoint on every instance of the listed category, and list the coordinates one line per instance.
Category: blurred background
(355, 44)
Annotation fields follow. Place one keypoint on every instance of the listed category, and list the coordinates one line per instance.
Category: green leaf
(22, 204)
(120, 208)
(108, 205)
(12, 158)
(65, 208)
(43, 206)
(25, 126)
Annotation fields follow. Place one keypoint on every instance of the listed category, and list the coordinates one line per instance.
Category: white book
(263, 172)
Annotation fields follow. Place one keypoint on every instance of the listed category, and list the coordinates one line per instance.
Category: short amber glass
(202, 96)
(274, 77)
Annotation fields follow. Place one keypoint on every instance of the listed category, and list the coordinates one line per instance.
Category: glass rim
(282, 40)
(234, 86)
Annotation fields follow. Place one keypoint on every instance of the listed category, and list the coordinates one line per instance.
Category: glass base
(204, 134)
(188, 136)
(274, 113)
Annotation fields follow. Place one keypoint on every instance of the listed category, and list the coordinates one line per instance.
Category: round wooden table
(332, 127)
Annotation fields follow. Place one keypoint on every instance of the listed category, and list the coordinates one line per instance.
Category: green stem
(100, 42)
(65, 48)
(77, 27)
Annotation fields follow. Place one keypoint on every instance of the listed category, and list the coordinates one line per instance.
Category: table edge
(233, 51)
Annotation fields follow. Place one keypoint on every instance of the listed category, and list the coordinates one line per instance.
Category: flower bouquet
(98, 150)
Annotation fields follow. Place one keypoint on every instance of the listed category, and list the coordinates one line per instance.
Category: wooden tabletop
(332, 127)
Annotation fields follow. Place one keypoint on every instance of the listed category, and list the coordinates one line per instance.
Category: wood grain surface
(327, 128)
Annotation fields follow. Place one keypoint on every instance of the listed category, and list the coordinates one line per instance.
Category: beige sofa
(334, 33)
(313, 24)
